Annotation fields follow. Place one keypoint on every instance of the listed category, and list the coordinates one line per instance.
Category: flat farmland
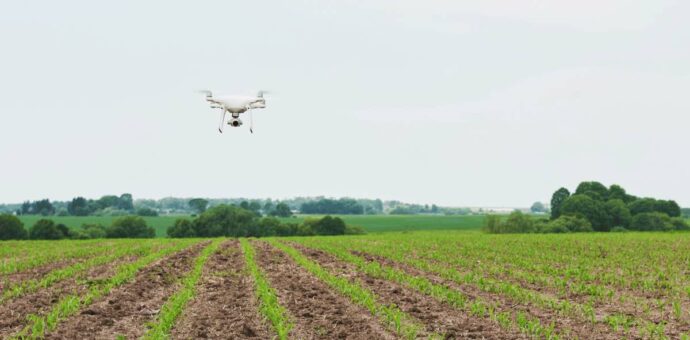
(440, 284)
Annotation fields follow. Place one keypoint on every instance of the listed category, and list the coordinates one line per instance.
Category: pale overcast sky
(483, 103)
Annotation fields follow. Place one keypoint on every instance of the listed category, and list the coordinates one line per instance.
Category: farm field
(436, 284)
(370, 223)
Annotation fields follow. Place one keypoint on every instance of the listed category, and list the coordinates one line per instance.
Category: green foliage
(11, 228)
(224, 220)
(146, 212)
(538, 207)
(516, 222)
(198, 205)
(594, 190)
(130, 227)
(680, 224)
(619, 214)
(343, 206)
(327, 226)
(593, 210)
(651, 221)
(685, 212)
(182, 228)
(45, 229)
(568, 223)
(89, 231)
(281, 210)
(557, 200)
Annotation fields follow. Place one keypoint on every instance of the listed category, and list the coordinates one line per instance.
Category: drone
(235, 105)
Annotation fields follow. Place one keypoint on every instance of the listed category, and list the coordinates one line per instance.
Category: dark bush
(45, 229)
(130, 227)
(11, 228)
(182, 228)
(570, 224)
(651, 221)
(146, 212)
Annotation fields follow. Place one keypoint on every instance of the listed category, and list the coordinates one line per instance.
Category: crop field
(436, 284)
(370, 223)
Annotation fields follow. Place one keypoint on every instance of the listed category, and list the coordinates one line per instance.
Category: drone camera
(235, 122)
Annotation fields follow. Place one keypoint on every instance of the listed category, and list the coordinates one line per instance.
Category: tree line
(11, 228)
(236, 221)
(594, 207)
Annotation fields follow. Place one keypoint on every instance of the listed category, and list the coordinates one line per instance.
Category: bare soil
(13, 313)
(437, 316)
(225, 306)
(582, 329)
(34, 273)
(127, 309)
(317, 310)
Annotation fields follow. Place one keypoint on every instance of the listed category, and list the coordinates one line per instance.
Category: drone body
(236, 105)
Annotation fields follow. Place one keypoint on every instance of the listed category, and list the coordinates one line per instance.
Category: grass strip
(392, 317)
(71, 304)
(268, 300)
(176, 303)
(476, 307)
(57, 275)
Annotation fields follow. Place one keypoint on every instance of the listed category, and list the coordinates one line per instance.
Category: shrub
(569, 224)
(130, 227)
(90, 231)
(11, 228)
(651, 221)
(146, 212)
(45, 229)
(680, 224)
(619, 229)
(224, 220)
(181, 228)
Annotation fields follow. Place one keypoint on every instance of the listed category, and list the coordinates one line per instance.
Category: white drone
(236, 105)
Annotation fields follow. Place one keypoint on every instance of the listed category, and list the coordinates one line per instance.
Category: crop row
(71, 304)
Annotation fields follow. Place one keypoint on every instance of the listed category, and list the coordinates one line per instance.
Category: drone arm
(222, 120)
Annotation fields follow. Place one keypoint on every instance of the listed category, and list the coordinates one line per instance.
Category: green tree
(126, 202)
(557, 200)
(594, 211)
(130, 227)
(198, 205)
(224, 220)
(45, 229)
(618, 213)
(670, 208)
(651, 221)
(593, 189)
(11, 228)
(538, 207)
(617, 192)
(642, 205)
(328, 225)
(282, 210)
(108, 201)
(146, 212)
(79, 206)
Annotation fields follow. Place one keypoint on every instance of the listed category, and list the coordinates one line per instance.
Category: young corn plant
(268, 300)
(176, 303)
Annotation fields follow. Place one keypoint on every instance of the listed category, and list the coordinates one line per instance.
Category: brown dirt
(127, 309)
(225, 306)
(438, 317)
(13, 313)
(317, 310)
(582, 329)
(34, 273)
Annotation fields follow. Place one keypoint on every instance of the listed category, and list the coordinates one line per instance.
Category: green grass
(370, 223)
(388, 223)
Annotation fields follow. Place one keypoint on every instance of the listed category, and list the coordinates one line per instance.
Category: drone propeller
(208, 93)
